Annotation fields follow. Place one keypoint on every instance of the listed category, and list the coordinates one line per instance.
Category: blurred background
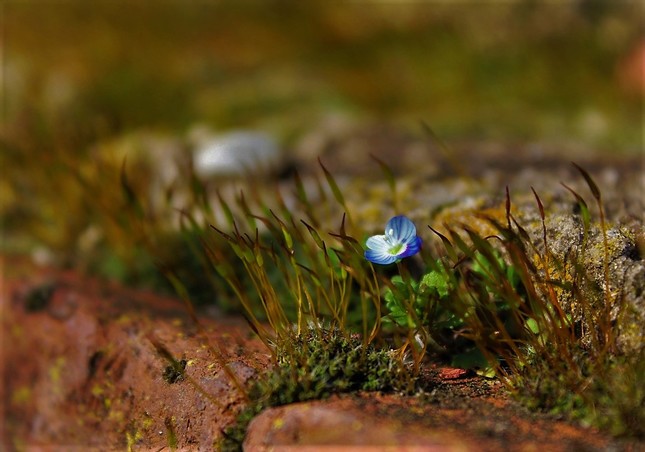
(82, 80)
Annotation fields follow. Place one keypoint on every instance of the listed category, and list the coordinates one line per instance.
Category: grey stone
(236, 153)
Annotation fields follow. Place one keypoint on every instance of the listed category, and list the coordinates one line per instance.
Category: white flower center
(395, 246)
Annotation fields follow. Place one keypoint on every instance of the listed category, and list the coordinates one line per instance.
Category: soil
(91, 365)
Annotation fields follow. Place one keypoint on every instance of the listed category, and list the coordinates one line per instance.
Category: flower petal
(379, 257)
(378, 243)
(403, 230)
(412, 248)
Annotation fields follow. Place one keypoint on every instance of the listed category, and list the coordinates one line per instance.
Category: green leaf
(436, 281)
(401, 317)
(395, 303)
(333, 185)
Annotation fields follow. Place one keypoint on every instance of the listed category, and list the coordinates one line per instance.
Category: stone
(236, 153)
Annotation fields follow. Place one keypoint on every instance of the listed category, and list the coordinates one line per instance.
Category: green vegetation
(490, 303)
(332, 321)
(316, 364)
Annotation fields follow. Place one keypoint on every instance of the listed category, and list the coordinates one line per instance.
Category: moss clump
(606, 392)
(315, 365)
(174, 372)
(39, 297)
(329, 361)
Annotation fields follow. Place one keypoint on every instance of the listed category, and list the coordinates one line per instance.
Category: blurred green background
(502, 70)
(77, 74)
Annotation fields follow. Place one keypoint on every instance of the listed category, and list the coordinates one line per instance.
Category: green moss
(315, 365)
(607, 393)
(318, 363)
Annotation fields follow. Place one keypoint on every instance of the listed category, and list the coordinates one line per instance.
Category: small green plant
(426, 302)
(411, 303)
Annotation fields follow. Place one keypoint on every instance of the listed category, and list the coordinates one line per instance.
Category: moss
(174, 372)
(136, 428)
(315, 365)
(132, 438)
(582, 289)
(21, 395)
(116, 416)
(169, 422)
(39, 297)
(17, 331)
(607, 394)
(55, 373)
(147, 421)
(97, 390)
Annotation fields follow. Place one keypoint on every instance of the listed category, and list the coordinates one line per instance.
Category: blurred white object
(234, 153)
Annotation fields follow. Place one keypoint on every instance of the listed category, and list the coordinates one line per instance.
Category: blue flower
(400, 240)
